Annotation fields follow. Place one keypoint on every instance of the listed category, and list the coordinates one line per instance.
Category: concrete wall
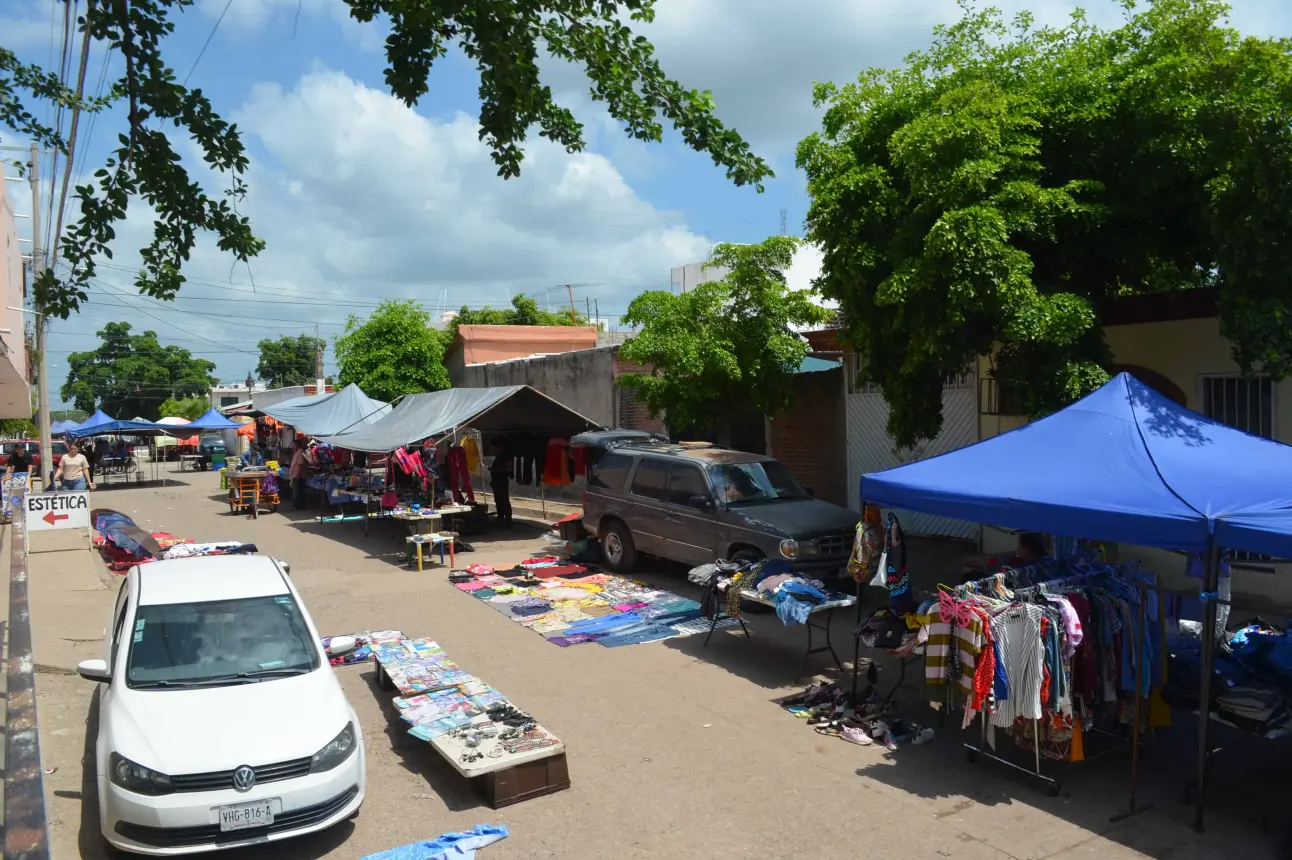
(583, 380)
(15, 393)
(811, 437)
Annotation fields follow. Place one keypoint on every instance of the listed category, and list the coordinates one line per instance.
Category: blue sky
(360, 198)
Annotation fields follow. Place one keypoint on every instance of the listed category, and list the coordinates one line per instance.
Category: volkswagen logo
(244, 778)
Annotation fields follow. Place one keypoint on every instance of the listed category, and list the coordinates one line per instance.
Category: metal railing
(26, 831)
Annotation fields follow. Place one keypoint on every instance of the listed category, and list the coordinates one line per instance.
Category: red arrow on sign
(52, 517)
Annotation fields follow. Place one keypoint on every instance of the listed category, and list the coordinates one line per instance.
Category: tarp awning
(100, 424)
(212, 420)
(1122, 464)
(514, 408)
(327, 414)
(59, 427)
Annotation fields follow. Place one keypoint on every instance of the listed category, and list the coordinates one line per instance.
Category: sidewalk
(71, 594)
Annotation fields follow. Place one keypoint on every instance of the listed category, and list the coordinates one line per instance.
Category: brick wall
(810, 437)
(633, 414)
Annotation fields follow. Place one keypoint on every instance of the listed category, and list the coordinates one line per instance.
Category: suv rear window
(611, 472)
(651, 480)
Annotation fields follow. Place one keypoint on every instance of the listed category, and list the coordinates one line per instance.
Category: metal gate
(871, 449)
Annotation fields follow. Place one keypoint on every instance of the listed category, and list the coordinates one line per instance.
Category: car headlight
(135, 777)
(790, 549)
(337, 750)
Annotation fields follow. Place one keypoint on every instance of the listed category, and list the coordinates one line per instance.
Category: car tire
(746, 556)
(617, 548)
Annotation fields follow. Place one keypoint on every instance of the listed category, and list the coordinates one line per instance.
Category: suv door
(644, 508)
(690, 532)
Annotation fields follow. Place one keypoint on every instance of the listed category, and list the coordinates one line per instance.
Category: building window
(1245, 403)
(228, 401)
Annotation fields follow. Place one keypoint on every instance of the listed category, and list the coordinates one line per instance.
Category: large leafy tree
(131, 375)
(523, 311)
(393, 352)
(506, 42)
(191, 408)
(994, 194)
(727, 348)
(289, 360)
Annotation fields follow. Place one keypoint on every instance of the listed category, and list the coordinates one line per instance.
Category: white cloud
(360, 198)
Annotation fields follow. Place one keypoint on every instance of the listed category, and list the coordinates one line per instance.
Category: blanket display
(450, 846)
(123, 544)
(363, 642)
(568, 604)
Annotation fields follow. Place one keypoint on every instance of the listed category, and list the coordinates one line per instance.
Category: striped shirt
(1017, 632)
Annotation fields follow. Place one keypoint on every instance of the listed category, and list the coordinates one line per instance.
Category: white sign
(47, 511)
(14, 487)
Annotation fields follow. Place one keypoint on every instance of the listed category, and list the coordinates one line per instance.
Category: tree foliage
(393, 352)
(994, 194)
(289, 360)
(523, 311)
(131, 375)
(727, 347)
(191, 408)
(505, 41)
(18, 428)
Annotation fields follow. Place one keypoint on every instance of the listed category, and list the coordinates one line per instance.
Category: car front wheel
(618, 548)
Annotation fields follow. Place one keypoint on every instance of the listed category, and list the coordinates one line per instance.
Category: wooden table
(512, 777)
(416, 542)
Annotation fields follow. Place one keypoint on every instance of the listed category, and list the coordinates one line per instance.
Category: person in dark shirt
(500, 483)
(19, 460)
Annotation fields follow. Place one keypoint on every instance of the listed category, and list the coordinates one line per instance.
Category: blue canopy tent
(210, 421)
(58, 428)
(327, 414)
(99, 418)
(1122, 464)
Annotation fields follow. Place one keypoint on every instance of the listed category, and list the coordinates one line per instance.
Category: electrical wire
(71, 142)
(207, 43)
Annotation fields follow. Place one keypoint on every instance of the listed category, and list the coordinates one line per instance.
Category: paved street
(675, 750)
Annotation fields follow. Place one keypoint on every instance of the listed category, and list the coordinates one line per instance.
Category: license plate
(244, 816)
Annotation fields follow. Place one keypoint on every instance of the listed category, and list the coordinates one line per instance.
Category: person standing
(73, 470)
(500, 483)
(297, 474)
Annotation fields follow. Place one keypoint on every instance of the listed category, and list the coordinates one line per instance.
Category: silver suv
(694, 502)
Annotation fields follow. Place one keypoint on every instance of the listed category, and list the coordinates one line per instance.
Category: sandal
(831, 730)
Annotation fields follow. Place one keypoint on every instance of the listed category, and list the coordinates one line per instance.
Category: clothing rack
(1066, 574)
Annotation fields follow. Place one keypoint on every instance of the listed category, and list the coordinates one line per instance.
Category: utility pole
(318, 361)
(574, 315)
(38, 312)
(587, 303)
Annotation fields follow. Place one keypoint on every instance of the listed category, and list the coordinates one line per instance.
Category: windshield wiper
(280, 672)
(204, 682)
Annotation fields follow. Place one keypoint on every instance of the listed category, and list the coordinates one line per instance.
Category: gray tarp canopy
(514, 408)
(325, 414)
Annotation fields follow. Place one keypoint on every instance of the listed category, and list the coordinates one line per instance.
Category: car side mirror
(94, 670)
(702, 503)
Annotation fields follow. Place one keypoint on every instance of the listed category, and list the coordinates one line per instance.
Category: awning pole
(1210, 589)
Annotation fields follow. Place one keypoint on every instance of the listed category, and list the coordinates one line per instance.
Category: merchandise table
(822, 627)
(417, 542)
(511, 777)
(190, 459)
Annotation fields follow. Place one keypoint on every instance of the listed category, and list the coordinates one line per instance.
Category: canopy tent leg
(1210, 587)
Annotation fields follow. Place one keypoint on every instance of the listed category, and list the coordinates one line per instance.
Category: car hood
(796, 518)
(218, 728)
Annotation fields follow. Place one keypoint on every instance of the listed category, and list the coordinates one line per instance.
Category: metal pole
(1210, 580)
(38, 307)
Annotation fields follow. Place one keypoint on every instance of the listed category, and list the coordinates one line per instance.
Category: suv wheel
(618, 549)
(746, 556)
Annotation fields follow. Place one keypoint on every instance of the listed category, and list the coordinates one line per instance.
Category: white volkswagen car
(221, 722)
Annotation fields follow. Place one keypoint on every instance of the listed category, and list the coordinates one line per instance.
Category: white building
(229, 393)
(802, 271)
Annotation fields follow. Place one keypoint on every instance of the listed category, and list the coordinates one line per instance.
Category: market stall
(1123, 464)
(100, 424)
(447, 418)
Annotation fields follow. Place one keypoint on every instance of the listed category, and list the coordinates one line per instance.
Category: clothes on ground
(450, 846)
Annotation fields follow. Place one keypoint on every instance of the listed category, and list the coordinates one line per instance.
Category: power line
(207, 43)
(71, 143)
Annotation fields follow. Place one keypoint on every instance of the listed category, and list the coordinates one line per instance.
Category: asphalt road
(675, 750)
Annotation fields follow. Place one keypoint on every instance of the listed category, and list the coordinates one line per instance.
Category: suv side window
(611, 472)
(650, 481)
(684, 482)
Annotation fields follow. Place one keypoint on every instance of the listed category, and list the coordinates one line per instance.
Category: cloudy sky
(360, 198)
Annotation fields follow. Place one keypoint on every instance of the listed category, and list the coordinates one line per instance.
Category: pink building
(15, 365)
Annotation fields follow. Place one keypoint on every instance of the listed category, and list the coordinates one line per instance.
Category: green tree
(395, 351)
(726, 348)
(505, 41)
(133, 374)
(191, 408)
(18, 428)
(289, 360)
(990, 197)
(523, 311)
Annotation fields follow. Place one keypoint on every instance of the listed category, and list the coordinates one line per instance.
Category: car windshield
(219, 642)
(744, 483)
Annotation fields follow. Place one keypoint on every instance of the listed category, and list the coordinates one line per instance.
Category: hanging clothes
(459, 476)
(473, 454)
(866, 546)
(556, 469)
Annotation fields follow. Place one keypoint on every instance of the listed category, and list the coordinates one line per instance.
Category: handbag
(880, 579)
(389, 499)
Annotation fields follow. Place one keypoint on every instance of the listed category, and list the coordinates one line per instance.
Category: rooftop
(481, 344)
(206, 578)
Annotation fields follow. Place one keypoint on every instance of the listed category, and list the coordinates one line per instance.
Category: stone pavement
(675, 750)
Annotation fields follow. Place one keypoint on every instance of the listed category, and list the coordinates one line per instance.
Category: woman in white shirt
(73, 469)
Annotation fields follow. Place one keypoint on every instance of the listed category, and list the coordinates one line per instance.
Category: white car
(221, 722)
